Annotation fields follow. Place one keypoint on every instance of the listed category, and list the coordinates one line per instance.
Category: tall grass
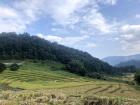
(44, 98)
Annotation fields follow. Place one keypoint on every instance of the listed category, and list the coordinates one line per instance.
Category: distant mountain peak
(114, 60)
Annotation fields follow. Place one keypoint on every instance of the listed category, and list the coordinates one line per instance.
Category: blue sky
(100, 27)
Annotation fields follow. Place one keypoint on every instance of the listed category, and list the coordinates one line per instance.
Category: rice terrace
(69, 52)
(42, 83)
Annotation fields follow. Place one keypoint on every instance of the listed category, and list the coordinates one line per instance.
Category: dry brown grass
(42, 97)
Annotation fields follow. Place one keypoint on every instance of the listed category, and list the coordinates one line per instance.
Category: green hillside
(36, 82)
(48, 74)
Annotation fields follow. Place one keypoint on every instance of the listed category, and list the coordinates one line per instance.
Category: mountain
(135, 63)
(114, 60)
(25, 46)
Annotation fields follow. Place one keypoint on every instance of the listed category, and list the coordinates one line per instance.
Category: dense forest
(26, 46)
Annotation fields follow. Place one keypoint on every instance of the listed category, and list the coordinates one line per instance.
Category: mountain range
(115, 60)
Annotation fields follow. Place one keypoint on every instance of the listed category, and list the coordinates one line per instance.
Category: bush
(14, 67)
(95, 100)
(96, 75)
(2, 67)
(137, 77)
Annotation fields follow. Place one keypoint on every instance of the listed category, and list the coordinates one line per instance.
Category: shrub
(14, 67)
(90, 100)
(137, 77)
(96, 75)
(2, 67)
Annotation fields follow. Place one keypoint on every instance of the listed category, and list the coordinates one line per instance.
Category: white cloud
(91, 45)
(54, 38)
(63, 11)
(137, 16)
(19, 15)
(130, 38)
(10, 20)
(131, 28)
(96, 20)
(7, 12)
(68, 13)
(51, 38)
(80, 13)
(69, 41)
(112, 2)
(131, 32)
(29, 10)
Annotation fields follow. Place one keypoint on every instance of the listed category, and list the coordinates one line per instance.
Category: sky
(100, 27)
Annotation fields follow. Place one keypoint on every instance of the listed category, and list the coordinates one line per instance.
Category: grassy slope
(48, 77)
(41, 75)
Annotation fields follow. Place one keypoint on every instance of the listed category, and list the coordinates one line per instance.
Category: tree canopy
(26, 46)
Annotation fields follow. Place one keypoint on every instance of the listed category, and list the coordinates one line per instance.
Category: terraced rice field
(48, 78)
(36, 76)
(75, 94)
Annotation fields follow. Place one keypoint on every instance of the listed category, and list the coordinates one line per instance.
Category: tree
(14, 67)
(127, 69)
(137, 77)
(2, 67)
(76, 66)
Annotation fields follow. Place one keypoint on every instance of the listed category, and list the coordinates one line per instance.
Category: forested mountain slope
(25, 46)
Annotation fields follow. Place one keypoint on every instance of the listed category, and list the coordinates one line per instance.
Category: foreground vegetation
(46, 83)
(51, 98)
